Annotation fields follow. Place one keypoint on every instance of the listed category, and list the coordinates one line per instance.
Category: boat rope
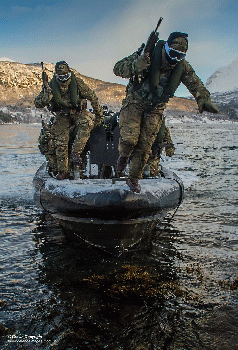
(181, 187)
(41, 203)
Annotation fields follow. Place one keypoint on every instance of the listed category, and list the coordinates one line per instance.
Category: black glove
(206, 105)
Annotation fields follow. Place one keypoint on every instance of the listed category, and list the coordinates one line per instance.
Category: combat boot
(121, 165)
(62, 175)
(134, 185)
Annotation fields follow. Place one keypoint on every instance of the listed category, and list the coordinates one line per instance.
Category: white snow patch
(224, 79)
(72, 188)
(81, 188)
(5, 59)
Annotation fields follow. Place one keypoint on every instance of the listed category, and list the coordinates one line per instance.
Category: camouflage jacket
(84, 92)
(142, 93)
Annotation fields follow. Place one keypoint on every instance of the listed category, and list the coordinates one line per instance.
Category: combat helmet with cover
(176, 47)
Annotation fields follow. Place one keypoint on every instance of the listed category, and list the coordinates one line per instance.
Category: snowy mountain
(21, 83)
(5, 59)
(224, 79)
(227, 103)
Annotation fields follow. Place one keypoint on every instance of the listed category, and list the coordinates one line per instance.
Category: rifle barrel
(159, 23)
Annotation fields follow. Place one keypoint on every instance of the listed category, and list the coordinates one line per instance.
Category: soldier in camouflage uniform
(47, 147)
(153, 81)
(65, 95)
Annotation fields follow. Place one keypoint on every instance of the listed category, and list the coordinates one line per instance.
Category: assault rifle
(148, 48)
(45, 79)
(152, 40)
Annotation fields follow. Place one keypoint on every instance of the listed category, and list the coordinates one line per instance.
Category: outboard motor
(103, 142)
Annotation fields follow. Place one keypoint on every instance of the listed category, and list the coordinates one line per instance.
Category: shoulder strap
(155, 65)
(175, 79)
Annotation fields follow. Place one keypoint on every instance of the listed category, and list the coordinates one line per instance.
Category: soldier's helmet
(62, 71)
(176, 47)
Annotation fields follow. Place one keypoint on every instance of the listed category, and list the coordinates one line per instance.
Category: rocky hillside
(20, 83)
(227, 103)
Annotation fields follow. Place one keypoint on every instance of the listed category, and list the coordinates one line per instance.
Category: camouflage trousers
(157, 149)
(70, 132)
(50, 156)
(153, 163)
(138, 130)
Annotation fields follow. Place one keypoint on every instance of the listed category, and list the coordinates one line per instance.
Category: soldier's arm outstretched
(197, 89)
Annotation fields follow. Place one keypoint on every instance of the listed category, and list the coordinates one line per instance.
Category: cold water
(179, 293)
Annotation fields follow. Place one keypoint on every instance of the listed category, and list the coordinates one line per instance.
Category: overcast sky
(93, 35)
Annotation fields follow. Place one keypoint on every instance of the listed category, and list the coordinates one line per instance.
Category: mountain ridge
(21, 83)
(224, 79)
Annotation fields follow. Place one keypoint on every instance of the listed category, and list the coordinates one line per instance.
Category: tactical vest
(57, 101)
(152, 78)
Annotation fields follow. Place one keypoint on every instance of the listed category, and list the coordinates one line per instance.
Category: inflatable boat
(103, 211)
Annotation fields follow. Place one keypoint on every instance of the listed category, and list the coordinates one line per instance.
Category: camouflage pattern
(43, 99)
(140, 120)
(77, 123)
(67, 120)
(86, 93)
(180, 44)
(154, 158)
(138, 131)
(194, 84)
(125, 68)
(84, 124)
(60, 132)
(47, 146)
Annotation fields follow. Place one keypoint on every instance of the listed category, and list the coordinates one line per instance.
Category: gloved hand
(47, 96)
(99, 116)
(206, 105)
(142, 63)
(169, 151)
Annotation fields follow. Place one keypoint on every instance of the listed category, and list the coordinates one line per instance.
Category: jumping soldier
(65, 95)
(154, 78)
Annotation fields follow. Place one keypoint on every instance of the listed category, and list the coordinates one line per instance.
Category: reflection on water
(180, 292)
